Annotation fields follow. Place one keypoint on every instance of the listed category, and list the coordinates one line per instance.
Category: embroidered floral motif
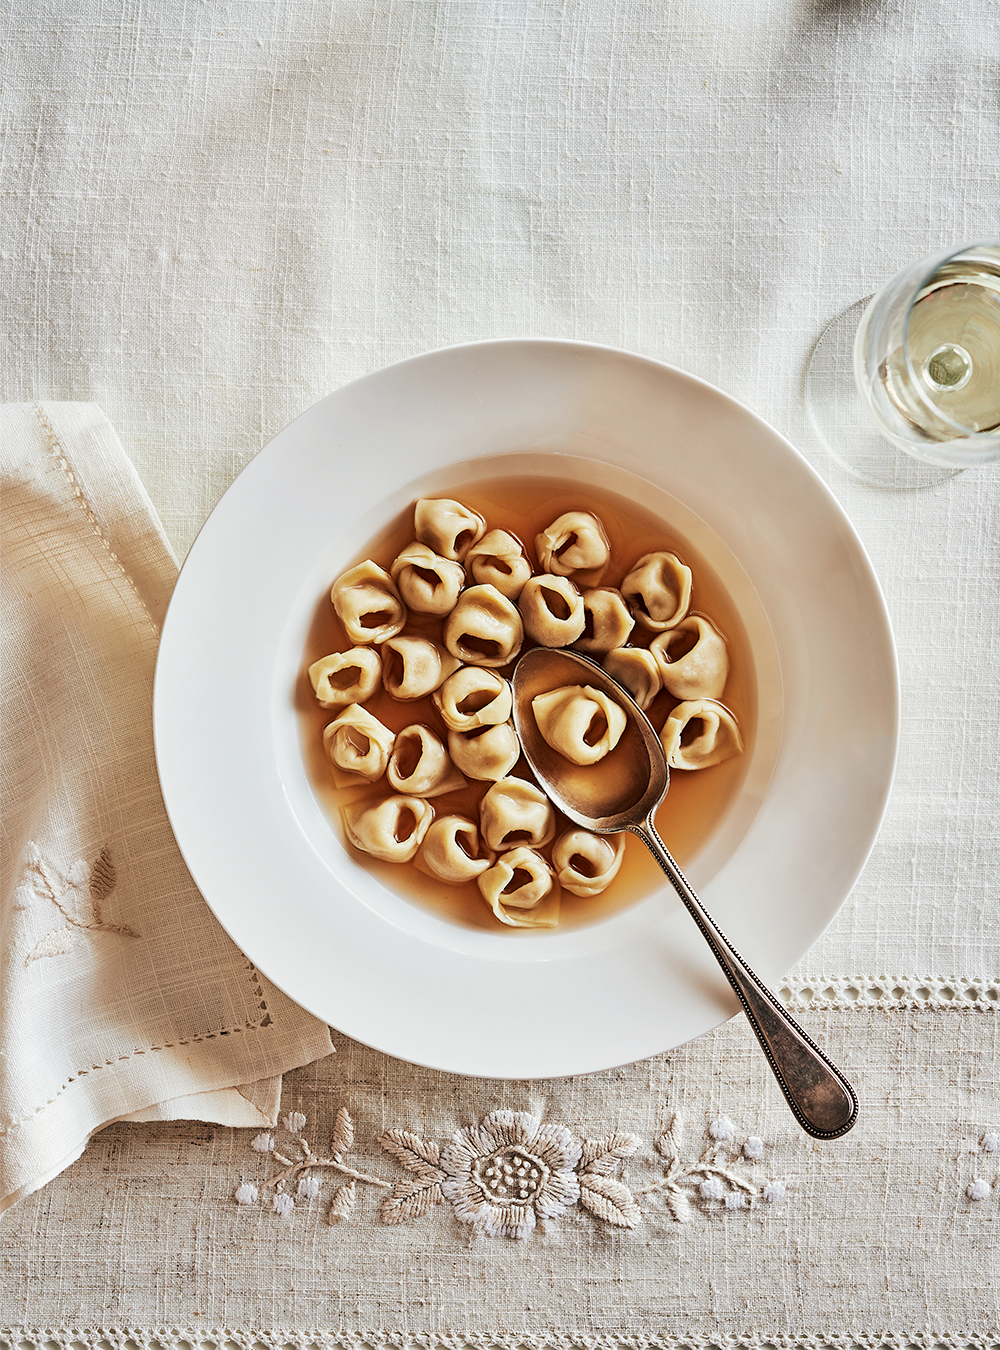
(710, 1180)
(722, 1129)
(506, 1173)
(411, 1199)
(297, 1171)
(79, 897)
(600, 1191)
(669, 1146)
(510, 1172)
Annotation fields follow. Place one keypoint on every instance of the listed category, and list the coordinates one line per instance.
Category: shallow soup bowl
(252, 817)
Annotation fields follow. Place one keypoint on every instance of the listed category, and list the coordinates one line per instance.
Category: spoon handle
(822, 1100)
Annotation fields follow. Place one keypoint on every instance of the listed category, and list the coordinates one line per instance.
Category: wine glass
(903, 389)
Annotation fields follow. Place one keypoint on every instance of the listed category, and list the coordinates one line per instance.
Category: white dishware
(387, 971)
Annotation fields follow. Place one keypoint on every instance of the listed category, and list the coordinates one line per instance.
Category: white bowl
(377, 966)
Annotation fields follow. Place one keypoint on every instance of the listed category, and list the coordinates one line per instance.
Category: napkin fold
(121, 997)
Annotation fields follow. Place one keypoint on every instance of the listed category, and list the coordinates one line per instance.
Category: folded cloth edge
(100, 472)
(121, 515)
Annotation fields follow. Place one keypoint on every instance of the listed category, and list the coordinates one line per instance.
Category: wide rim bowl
(358, 955)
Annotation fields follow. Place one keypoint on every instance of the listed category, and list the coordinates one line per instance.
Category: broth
(525, 506)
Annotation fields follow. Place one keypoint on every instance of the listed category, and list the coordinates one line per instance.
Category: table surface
(215, 215)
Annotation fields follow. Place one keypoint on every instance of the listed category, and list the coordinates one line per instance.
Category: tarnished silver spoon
(623, 793)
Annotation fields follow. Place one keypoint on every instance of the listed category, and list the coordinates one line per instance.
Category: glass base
(843, 423)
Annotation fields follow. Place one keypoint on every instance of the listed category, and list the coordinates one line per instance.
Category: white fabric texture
(122, 997)
(213, 216)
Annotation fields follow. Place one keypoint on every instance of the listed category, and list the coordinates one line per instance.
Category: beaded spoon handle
(821, 1098)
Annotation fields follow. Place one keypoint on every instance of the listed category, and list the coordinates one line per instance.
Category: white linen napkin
(120, 995)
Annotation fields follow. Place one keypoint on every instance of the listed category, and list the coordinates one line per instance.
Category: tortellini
(474, 697)
(452, 851)
(516, 812)
(357, 745)
(608, 621)
(658, 590)
(484, 628)
(576, 542)
(390, 829)
(446, 526)
(427, 583)
(586, 863)
(692, 659)
(498, 560)
(432, 634)
(413, 667)
(420, 766)
(552, 610)
(522, 889)
(485, 753)
(700, 733)
(579, 722)
(346, 677)
(638, 670)
(368, 603)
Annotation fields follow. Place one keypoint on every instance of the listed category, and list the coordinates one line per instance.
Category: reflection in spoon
(622, 792)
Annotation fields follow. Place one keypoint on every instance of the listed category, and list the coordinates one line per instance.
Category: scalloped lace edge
(930, 992)
(175, 1338)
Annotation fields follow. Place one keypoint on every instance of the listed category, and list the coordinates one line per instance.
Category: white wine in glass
(926, 364)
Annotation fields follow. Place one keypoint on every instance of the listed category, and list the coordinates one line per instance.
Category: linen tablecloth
(213, 216)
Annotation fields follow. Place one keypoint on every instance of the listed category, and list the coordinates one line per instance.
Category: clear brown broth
(696, 802)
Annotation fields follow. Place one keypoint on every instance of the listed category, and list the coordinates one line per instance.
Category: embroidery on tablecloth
(715, 1181)
(504, 1175)
(500, 1177)
(78, 895)
(297, 1171)
(511, 1172)
(979, 1188)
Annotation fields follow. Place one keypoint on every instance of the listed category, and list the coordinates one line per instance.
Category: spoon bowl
(631, 781)
(622, 792)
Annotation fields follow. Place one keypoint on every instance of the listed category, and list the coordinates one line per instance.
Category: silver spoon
(623, 793)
